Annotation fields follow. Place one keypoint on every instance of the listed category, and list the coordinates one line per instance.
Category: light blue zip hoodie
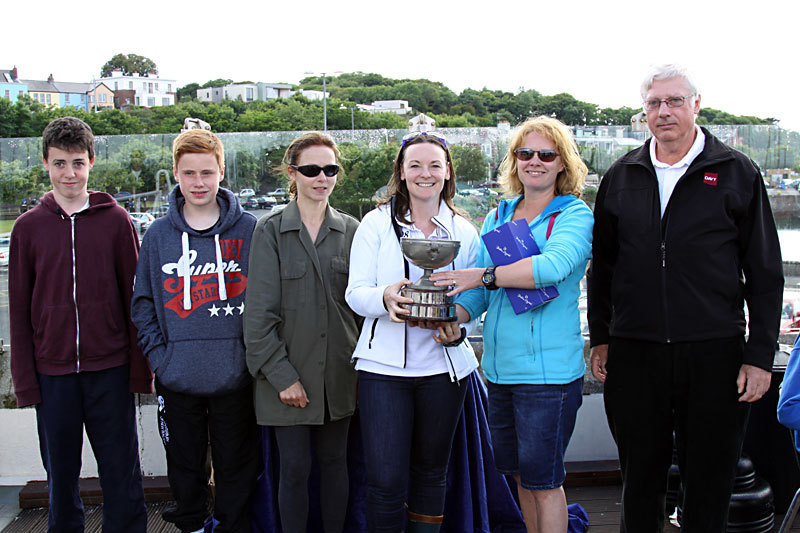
(543, 345)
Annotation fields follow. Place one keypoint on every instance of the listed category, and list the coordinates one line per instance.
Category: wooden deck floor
(35, 520)
(601, 502)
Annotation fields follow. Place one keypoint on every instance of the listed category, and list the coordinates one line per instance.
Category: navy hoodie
(188, 298)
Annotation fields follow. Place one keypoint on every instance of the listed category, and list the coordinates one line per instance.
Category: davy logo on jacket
(709, 178)
(204, 279)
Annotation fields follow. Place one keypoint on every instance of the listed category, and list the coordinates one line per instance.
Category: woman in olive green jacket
(300, 333)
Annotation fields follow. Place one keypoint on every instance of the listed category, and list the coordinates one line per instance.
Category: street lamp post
(324, 99)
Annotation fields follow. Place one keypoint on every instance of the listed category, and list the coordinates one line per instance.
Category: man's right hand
(598, 361)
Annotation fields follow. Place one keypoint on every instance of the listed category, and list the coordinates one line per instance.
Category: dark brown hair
(70, 134)
(296, 147)
(399, 189)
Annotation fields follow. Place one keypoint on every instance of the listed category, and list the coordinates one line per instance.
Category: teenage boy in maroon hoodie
(74, 353)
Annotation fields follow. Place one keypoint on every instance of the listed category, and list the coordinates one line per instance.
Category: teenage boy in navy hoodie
(74, 354)
(188, 303)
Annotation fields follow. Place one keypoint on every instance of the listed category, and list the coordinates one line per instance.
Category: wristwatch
(488, 278)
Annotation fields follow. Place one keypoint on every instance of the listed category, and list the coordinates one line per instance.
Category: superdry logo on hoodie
(205, 279)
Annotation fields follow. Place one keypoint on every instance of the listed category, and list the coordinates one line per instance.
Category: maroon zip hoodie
(63, 323)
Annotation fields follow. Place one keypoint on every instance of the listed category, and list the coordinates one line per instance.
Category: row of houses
(118, 90)
(250, 92)
(123, 91)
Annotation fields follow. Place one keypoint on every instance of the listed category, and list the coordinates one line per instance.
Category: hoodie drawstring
(187, 274)
(223, 294)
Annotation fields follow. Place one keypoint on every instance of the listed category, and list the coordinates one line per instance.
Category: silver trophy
(431, 303)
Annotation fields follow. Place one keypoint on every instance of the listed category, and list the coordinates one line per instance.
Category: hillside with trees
(484, 107)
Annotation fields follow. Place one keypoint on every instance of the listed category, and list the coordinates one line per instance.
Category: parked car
(5, 242)
(250, 203)
(246, 193)
(142, 221)
(280, 195)
(159, 210)
(790, 313)
(265, 202)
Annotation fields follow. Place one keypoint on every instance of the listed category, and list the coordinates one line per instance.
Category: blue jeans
(407, 426)
(531, 426)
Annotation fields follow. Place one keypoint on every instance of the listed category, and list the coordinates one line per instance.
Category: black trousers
(654, 389)
(186, 424)
(294, 447)
(100, 402)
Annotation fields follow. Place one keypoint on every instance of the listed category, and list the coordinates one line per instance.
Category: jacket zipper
(664, 224)
(75, 297)
(700, 166)
(372, 333)
(452, 370)
(494, 332)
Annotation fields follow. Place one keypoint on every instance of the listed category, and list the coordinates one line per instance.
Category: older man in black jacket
(683, 236)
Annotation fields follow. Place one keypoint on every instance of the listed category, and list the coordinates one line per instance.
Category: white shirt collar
(697, 147)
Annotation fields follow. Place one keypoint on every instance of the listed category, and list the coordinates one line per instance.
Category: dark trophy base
(430, 305)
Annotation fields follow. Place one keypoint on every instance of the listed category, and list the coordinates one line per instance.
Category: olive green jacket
(297, 325)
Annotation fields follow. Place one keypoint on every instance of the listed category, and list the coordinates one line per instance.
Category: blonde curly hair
(570, 180)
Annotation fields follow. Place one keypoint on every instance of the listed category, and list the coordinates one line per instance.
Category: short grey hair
(667, 72)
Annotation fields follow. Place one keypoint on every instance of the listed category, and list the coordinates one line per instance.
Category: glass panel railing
(142, 166)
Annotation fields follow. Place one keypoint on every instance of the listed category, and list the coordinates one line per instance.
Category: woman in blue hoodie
(533, 361)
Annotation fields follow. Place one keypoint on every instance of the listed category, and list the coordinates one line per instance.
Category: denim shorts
(531, 426)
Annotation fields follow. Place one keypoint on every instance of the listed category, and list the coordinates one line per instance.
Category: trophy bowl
(431, 303)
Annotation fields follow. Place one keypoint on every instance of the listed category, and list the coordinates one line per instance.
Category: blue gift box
(509, 243)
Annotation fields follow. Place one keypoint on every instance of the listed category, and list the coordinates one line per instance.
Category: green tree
(187, 92)
(129, 64)
(18, 182)
(365, 171)
(568, 109)
(609, 116)
(219, 82)
(470, 163)
(113, 122)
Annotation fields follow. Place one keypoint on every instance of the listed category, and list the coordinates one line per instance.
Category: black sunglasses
(545, 156)
(311, 171)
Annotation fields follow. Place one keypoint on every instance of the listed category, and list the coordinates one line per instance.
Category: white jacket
(376, 261)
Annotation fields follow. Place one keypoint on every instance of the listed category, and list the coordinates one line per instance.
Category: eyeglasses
(545, 156)
(311, 171)
(415, 134)
(672, 101)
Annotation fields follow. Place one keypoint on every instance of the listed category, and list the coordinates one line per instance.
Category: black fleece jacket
(685, 277)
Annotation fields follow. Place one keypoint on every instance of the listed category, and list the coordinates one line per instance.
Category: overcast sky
(742, 54)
